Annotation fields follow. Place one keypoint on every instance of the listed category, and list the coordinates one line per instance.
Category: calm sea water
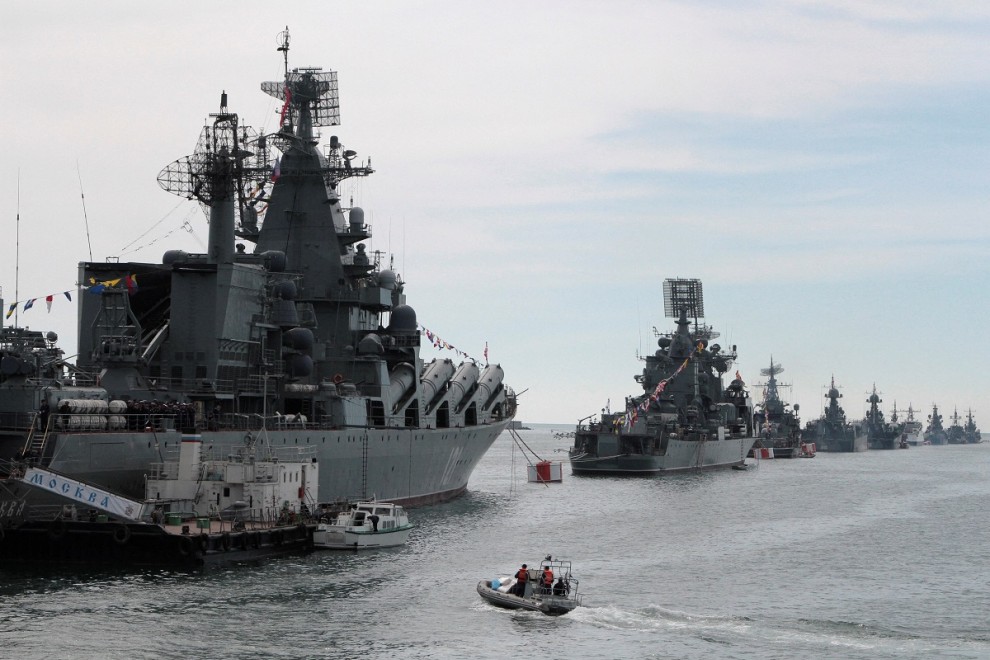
(871, 555)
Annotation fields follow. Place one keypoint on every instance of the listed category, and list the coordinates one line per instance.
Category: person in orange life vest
(522, 575)
(547, 579)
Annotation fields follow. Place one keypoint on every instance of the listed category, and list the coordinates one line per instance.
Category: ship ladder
(364, 467)
(35, 443)
(701, 451)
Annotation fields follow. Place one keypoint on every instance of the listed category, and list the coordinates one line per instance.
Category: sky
(822, 166)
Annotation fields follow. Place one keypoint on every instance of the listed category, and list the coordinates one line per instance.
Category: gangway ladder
(34, 444)
(81, 492)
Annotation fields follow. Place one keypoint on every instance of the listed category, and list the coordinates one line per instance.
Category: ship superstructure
(287, 326)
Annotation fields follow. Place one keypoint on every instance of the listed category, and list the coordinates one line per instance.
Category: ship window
(176, 373)
(226, 492)
(200, 371)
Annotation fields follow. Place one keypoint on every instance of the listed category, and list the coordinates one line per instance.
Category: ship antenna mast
(82, 195)
(17, 251)
(283, 47)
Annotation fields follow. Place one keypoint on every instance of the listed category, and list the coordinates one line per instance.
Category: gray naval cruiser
(970, 430)
(935, 433)
(955, 435)
(684, 419)
(880, 434)
(304, 340)
(831, 432)
(778, 428)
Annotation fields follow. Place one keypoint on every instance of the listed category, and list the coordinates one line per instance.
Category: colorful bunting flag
(439, 342)
(50, 298)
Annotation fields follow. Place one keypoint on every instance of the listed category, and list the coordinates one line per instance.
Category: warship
(955, 434)
(303, 340)
(684, 419)
(879, 433)
(935, 433)
(777, 427)
(831, 432)
(912, 431)
(970, 432)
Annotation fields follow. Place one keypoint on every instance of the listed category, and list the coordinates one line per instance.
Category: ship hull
(842, 438)
(141, 544)
(913, 435)
(411, 467)
(680, 456)
(848, 444)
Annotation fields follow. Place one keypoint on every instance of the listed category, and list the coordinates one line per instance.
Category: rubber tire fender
(121, 534)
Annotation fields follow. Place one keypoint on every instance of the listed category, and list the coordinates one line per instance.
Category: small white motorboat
(363, 525)
(532, 594)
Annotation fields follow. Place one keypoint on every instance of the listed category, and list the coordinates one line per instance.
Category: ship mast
(283, 47)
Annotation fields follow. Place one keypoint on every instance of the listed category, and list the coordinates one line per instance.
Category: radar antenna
(683, 295)
(310, 89)
(218, 166)
(310, 98)
(773, 370)
(222, 169)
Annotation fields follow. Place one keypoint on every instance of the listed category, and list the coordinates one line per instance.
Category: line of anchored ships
(833, 432)
(687, 419)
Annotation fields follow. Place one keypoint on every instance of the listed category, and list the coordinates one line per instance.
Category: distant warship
(880, 434)
(304, 340)
(777, 427)
(684, 419)
(912, 431)
(935, 433)
(831, 432)
(971, 433)
(955, 435)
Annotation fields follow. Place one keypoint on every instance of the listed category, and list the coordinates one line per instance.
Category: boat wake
(849, 638)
